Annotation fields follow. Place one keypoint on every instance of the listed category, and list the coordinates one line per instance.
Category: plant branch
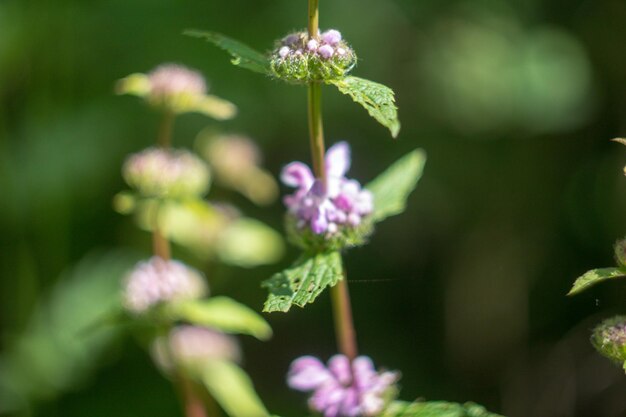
(344, 325)
(316, 131)
(166, 129)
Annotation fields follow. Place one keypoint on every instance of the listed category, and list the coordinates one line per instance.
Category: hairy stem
(342, 310)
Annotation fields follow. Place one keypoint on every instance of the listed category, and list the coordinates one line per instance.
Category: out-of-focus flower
(236, 160)
(620, 252)
(192, 346)
(298, 58)
(326, 209)
(157, 172)
(159, 281)
(343, 388)
(609, 338)
(177, 89)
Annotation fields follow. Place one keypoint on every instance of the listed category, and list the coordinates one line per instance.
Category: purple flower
(331, 37)
(324, 209)
(326, 51)
(342, 389)
(171, 79)
(159, 281)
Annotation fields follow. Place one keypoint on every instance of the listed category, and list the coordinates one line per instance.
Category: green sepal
(435, 409)
(232, 389)
(301, 283)
(242, 55)
(392, 188)
(378, 99)
(595, 276)
(345, 238)
(221, 313)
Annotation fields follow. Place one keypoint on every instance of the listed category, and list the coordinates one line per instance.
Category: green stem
(316, 131)
(314, 16)
(342, 309)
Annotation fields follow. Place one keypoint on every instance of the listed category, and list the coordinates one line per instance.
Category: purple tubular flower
(342, 203)
(331, 37)
(342, 389)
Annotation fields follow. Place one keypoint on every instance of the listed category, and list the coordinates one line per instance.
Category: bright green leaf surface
(379, 100)
(224, 314)
(595, 276)
(243, 55)
(392, 188)
(232, 389)
(436, 409)
(301, 283)
(247, 243)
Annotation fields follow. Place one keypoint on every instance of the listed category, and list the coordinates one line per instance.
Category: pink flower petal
(338, 160)
(297, 175)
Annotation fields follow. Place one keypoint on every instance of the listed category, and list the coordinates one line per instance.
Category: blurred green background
(514, 101)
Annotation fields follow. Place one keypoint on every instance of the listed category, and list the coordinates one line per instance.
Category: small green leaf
(242, 55)
(435, 409)
(392, 188)
(232, 389)
(379, 100)
(224, 314)
(595, 276)
(209, 105)
(301, 283)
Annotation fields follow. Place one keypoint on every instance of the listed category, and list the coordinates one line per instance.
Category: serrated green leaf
(595, 276)
(392, 188)
(378, 99)
(301, 283)
(224, 314)
(232, 389)
(435, 409)
(242, 55)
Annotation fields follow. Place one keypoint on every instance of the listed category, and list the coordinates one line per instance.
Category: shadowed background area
(514, 102)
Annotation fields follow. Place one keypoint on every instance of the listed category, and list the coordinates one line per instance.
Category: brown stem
(193, 404)
(344, 325)
(166, 129)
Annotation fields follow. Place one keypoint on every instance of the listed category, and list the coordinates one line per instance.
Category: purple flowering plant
(188, 333)
(327, 213)
(609, 337)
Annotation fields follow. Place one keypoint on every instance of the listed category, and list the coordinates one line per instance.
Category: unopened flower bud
(620, 252)
(609, 338)
(159, 281)
(331, 37)
(301, 59)
(167, 173)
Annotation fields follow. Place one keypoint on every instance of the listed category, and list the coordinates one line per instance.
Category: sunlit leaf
(232, 389)
(392, 188)
(301, 283)
(209, 105)
(379, 100)
(134, 84)
(619, 140)
(224, 314)
(243, 55)
(595, 276)
(435, 409)
(247, 242)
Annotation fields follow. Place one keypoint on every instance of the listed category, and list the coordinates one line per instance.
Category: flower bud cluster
(159, 281)
(156, 172)
(609, 338)
(343, 388)
(620, 252)
(331, 210)
(172, 85)
(299, 58)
